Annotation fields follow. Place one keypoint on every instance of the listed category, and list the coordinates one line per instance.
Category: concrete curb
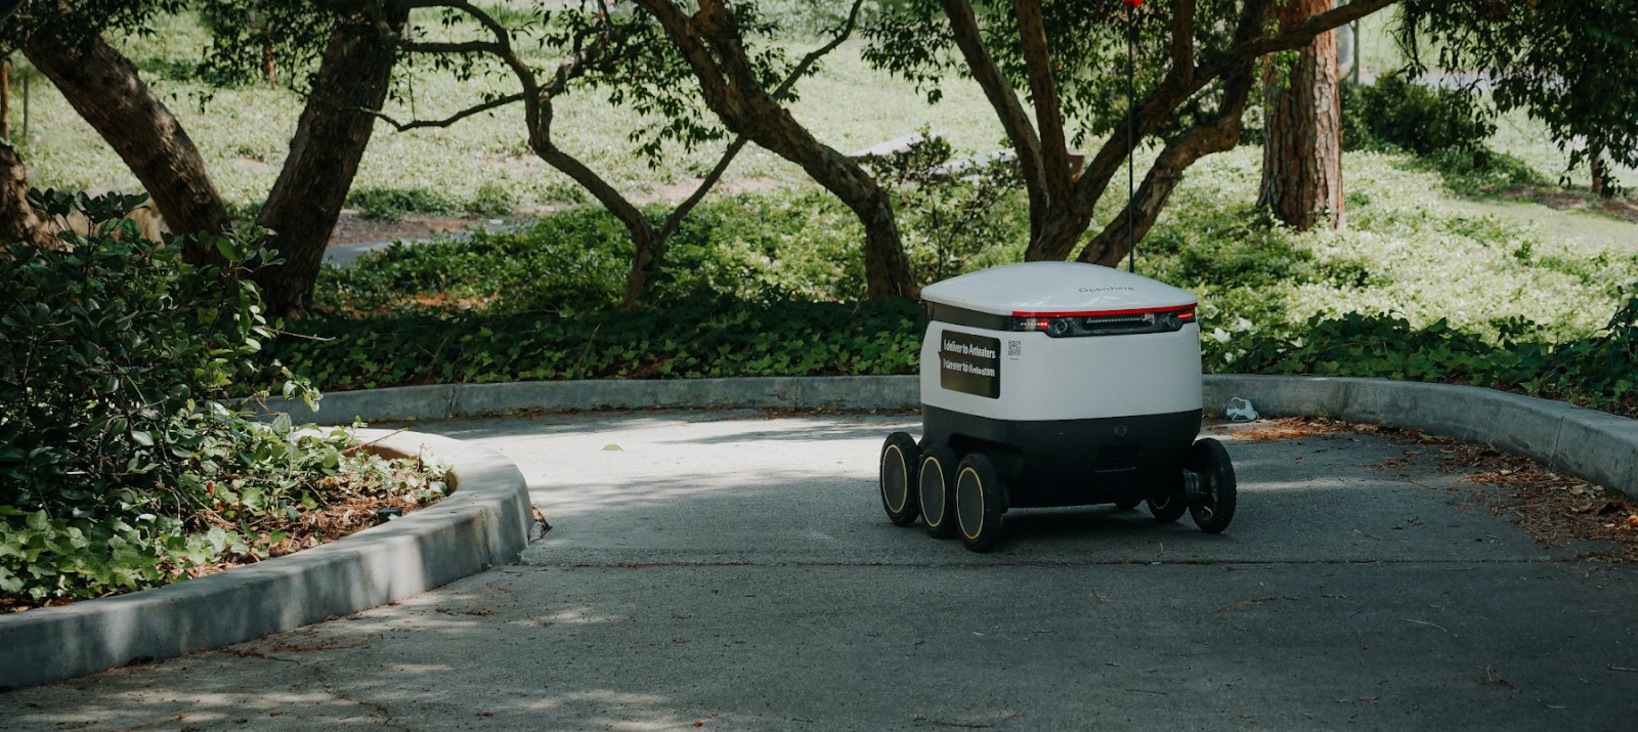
(483, 522)
(1595, 446)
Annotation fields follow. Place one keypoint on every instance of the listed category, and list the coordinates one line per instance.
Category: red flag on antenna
(1132, 3)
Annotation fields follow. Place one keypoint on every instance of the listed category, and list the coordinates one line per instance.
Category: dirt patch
(352, 228)
(1555, 508)
(360, 506)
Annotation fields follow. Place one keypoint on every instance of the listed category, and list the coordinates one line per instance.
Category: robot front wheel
(1205, 489)
(1215, 490)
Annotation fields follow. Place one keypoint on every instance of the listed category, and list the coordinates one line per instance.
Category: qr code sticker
(1015, 349)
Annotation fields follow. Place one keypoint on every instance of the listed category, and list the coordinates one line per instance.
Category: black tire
(1167, 504)
(980, 502)
(899, 462)
(1219, 490)
(936, 490)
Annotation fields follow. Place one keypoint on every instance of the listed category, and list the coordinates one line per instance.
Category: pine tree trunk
(1302, 150)
(103, 86)
(330, 138)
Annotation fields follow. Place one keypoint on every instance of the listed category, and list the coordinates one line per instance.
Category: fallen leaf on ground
(1245, 603)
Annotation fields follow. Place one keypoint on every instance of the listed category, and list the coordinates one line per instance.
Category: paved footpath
(734, 571)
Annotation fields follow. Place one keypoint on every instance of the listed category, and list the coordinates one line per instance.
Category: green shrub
(1356, 125)
(1600, 370)
(391, 204)
(493, 199)
(764, 248)
(1403, 114)
(691, 339)
(123, 461)
(576, 259)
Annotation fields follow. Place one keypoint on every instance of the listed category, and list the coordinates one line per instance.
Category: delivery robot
(1056, 384)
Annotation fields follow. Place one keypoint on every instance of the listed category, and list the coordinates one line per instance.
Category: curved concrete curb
(1595, 446)
(482, 523)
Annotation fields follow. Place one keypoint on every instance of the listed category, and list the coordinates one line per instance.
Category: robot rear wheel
(899, 462)
(980, 503)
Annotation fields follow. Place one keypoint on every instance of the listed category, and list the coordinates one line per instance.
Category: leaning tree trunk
(103, 86)
(330, 138)
(18, 220)
(1302, 150)
(1220, 134)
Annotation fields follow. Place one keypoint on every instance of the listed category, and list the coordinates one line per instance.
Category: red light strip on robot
(1187, 312)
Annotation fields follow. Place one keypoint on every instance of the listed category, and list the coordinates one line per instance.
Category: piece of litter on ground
(1240, 410)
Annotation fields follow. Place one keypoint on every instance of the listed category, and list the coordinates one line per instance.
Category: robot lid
(1037, 289)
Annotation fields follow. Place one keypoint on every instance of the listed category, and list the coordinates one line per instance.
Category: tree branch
(674, 220)
(1182, 71)
(1043, 88)
(1221, 134)
(1159, 104)
(1014, 120)
(500, 48)
(807, 62)
(417, 124)
(1288, 38)
(679, 26)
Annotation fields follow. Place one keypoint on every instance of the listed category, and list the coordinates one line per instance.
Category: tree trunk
(1302, 150)
(103, 86)
(1599, 167)
(648, 244)
(270, 62)
(712, 44)
(18, 220)
(5, 99)
(650, 252)
(330, 139)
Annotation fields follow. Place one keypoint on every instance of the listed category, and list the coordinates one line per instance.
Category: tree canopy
(1568, 63)
(1054, 74)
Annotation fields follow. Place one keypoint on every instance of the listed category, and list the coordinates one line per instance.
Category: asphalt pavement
(734, 570)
